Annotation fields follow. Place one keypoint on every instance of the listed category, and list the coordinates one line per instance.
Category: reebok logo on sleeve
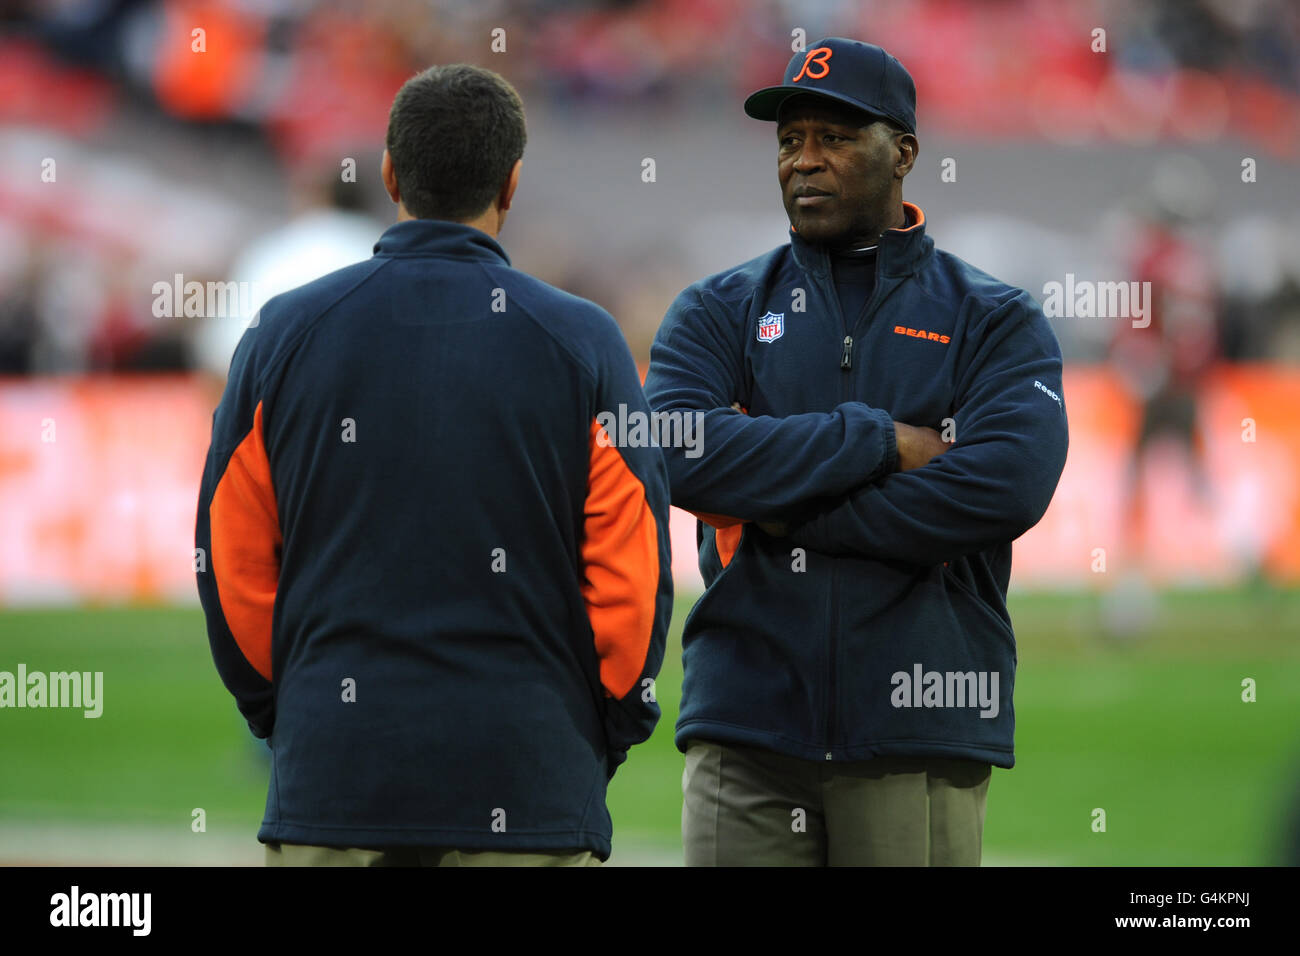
(1043, 388)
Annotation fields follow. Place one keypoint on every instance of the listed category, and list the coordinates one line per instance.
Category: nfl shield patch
(771, 327)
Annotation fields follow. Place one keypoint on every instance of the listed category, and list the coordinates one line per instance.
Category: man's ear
(908, 148)
(507, 194)
(389, 175)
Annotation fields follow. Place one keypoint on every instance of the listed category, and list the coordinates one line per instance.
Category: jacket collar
(439, 237)
(899, 252)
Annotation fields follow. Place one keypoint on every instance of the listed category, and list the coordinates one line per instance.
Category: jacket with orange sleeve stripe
(434, 581)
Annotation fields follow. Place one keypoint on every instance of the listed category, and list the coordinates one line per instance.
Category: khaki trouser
(745, 806)
(293, 854)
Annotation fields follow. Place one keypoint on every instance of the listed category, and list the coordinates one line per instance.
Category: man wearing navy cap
(884, 420)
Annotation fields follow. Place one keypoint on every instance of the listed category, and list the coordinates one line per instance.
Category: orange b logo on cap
(821, 61)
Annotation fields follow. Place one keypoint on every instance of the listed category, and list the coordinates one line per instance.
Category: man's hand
(917, 446)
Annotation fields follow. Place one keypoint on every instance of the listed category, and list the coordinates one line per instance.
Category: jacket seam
(589, 371)
(296, 336)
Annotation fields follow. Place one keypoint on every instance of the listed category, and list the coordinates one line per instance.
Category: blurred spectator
(328, 231)
(1166, 363)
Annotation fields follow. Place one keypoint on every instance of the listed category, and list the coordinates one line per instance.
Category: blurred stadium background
(129, 159)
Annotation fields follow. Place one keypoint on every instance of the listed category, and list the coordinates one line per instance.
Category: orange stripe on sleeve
(246, 547)
(728, 541)
(620, 554)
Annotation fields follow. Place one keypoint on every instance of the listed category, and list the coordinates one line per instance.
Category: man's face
(837, 170)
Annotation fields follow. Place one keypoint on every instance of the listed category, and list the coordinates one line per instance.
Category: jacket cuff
(889, 457)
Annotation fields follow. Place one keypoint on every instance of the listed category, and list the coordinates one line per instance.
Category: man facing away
(882, 421)
(433, 582)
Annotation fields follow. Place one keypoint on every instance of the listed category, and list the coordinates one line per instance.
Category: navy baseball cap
(852, 72)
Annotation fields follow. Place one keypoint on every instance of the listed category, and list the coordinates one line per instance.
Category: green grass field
(1153, 731)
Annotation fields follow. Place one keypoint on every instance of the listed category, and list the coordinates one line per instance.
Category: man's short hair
(454, 134)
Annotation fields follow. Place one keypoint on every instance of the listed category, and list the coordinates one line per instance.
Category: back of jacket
(432, 582)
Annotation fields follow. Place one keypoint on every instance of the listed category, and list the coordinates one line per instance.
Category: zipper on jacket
(832, 643)
(830, 662)
(846, 381)
(868, 308)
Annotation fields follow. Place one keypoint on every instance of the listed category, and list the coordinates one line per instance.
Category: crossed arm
(854, 481)
(917, 446)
